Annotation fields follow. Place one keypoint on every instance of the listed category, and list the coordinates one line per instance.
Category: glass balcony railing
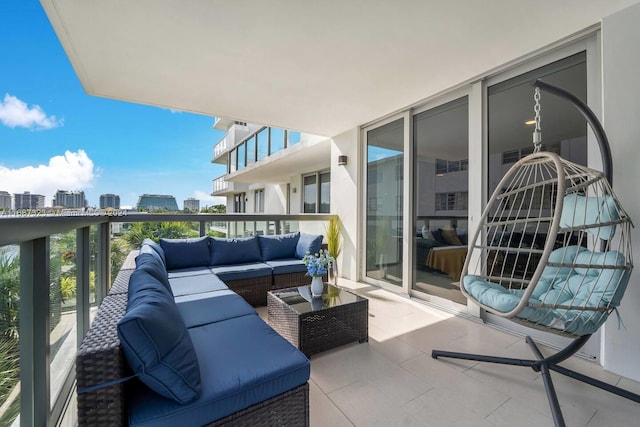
(55, 270)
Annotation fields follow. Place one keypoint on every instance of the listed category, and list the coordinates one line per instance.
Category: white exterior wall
(346, 198)
(621, 106)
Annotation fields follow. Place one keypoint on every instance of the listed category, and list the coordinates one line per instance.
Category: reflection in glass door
(385, 159)
(441, 147)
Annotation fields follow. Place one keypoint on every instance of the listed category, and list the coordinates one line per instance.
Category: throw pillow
(437, 236)
(234, 251)
(450, 237)
(426, 234)
(157, 346)
(278, 247)
(185, 253)
(308, 243)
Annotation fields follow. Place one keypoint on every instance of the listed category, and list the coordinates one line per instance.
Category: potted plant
(333, 244)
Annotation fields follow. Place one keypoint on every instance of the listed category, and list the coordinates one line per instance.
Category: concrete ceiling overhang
(320, 67)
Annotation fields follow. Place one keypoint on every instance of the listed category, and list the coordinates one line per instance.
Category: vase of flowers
(318, 266)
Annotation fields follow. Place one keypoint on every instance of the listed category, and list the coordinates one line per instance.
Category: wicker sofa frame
(100, 360)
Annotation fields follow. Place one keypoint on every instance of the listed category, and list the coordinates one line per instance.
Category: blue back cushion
(156, 343)
(578, 210)
(278, 247)
(234, 251)
(149, 245)
(311, 243)
(186, 253)
(154, 267)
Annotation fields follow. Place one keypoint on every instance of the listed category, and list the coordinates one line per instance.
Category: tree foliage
(215, 209)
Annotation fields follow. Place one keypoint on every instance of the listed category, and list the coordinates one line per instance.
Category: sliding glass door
(384, 203)
(441, 198)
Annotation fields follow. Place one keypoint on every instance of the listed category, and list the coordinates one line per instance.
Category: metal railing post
(103, 261)
(34, 333)
(83, 268)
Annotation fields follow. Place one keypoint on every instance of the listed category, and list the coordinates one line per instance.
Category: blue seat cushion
(242, 362)
(188, 272)
(308, 244)
(278, 247)
(598, 282)
(157, 346)
(186, 253)
(242, 271)
(211, 307)
(152, 265)
(196, 284)
(284, 266)
(234, 251)
(155, 247)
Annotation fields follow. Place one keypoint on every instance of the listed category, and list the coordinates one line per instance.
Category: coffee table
(317, 324)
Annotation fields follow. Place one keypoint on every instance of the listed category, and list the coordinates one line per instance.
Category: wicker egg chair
(552, 252)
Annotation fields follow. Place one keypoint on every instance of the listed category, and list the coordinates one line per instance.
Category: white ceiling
(320, 67)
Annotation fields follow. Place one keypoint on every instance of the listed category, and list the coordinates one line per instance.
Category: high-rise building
(157, 202)
(109, 201)
(70, 199)
(27, 200)
(5, 200)
(192, 205)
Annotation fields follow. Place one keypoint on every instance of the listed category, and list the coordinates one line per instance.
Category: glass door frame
(362, 262)
(473, 94)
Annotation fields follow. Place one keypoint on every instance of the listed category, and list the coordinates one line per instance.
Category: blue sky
(53, 135)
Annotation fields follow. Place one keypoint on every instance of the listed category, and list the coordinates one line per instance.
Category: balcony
(220, 152)
(222, 187)
(391, 380)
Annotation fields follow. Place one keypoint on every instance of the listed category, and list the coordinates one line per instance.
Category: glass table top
(300, 299)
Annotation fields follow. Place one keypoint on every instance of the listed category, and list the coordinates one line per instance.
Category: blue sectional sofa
(177, 340)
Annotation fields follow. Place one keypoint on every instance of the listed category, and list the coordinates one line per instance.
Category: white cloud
(73, 171)
(16, 113)
(211, 200)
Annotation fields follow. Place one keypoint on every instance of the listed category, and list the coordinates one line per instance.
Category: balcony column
(34, 332)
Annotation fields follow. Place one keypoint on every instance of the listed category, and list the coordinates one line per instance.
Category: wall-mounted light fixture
(342, 160)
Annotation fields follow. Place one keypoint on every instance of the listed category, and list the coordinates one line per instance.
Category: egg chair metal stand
(552, 252)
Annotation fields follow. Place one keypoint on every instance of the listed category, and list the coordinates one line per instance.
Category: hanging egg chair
(552, 251)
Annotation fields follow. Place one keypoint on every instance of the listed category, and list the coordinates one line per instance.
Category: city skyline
(54, 136)
(107, 200)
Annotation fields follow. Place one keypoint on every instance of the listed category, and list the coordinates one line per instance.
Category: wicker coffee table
(317, 324)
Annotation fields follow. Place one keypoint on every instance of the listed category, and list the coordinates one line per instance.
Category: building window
(513, 156)
(239, 203)
(276, 140)
(452, 201)
(233, 161)
(293, 138)
(258, 201)
(446, 166)
(263, 144)
(316, 193)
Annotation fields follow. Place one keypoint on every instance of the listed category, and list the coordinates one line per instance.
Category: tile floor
(393, 381)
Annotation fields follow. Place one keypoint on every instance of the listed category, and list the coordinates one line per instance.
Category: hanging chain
(537, 134)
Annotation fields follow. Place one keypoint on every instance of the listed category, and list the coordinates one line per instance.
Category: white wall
(621, 106)
(345, 198)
